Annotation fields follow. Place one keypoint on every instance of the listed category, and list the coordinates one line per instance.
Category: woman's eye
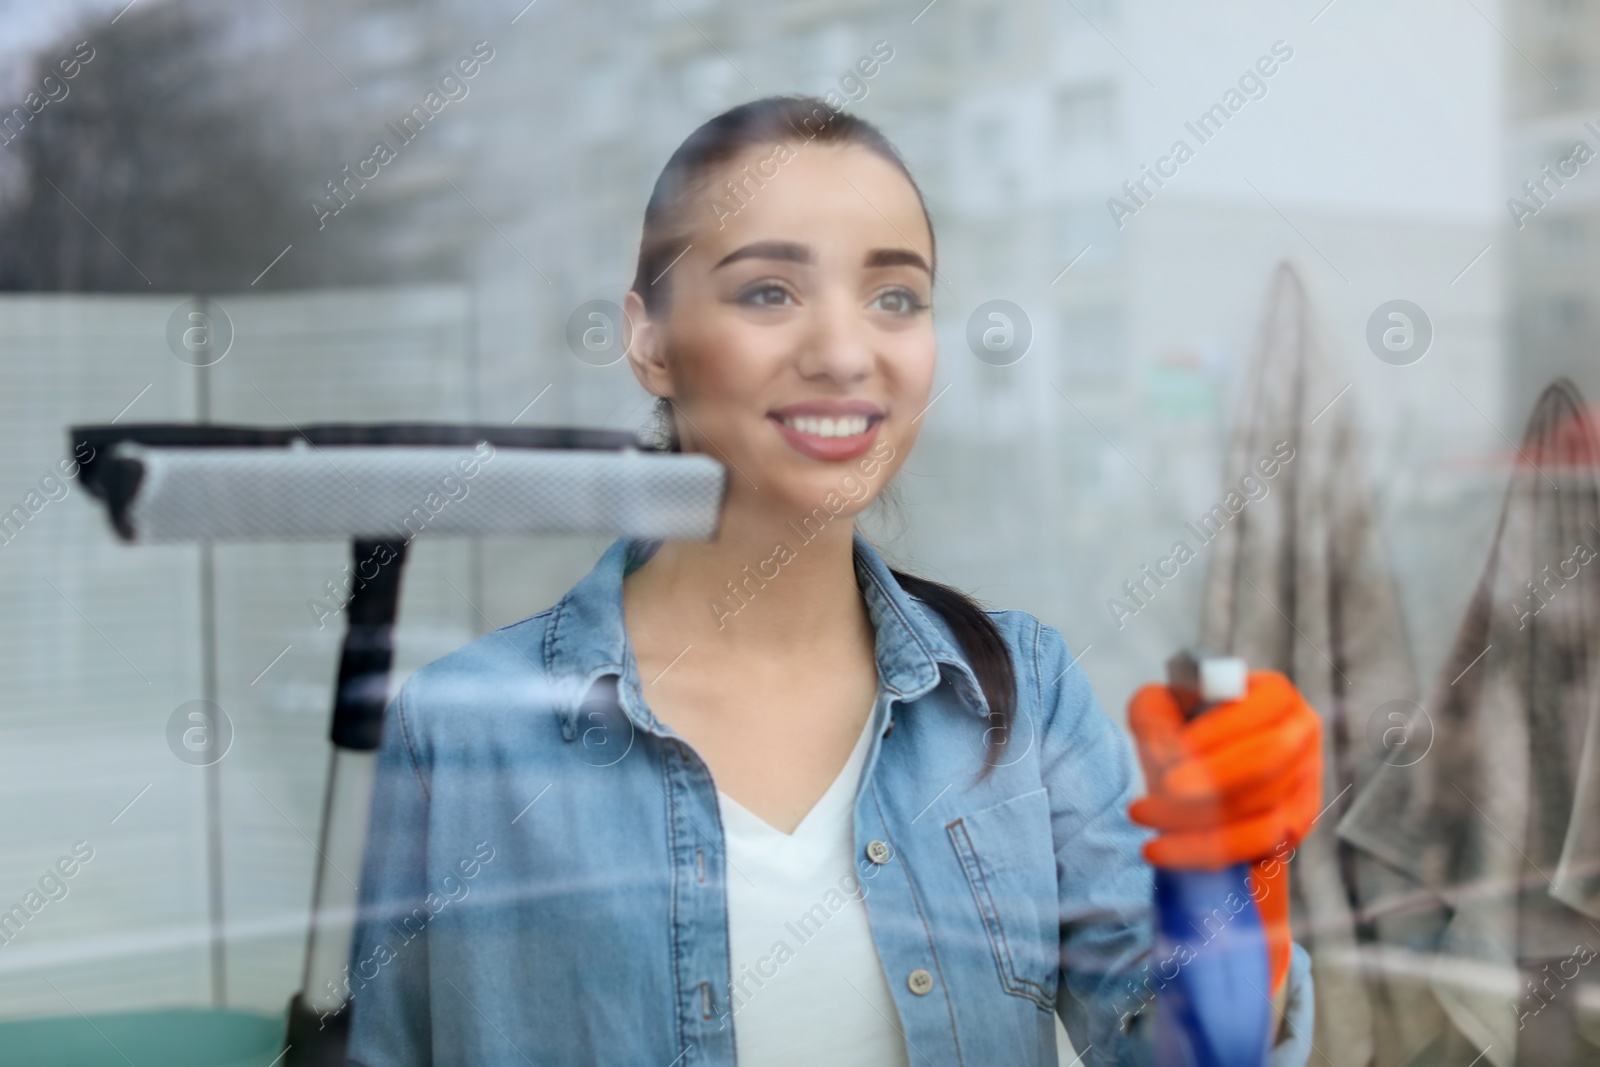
(765, 296)
(899, 301)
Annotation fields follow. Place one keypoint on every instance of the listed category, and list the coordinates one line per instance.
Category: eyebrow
(897, 257)
(793, 252)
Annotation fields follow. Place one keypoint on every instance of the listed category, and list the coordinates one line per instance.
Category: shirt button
(878, 852)
(920, 981)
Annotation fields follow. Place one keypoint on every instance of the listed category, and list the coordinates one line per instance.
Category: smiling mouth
(832, 437)
(823, 426)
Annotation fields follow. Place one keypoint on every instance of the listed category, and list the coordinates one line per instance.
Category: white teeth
(844, 426)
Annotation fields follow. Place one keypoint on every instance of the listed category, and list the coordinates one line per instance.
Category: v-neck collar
(835, 800)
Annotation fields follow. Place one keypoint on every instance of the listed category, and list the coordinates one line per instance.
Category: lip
(829, 449)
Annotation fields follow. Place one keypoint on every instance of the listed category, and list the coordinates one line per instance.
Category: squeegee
(379, 485)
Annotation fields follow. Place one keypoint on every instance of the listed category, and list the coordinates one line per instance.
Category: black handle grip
(363, 688)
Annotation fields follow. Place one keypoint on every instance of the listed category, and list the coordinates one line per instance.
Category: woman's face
(797, 343)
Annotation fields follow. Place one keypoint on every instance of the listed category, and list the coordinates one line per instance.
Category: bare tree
(189, 150)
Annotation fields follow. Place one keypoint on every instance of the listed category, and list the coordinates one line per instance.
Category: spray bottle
(1214, 1011)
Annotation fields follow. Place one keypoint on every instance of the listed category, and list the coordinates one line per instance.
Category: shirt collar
(587, 640)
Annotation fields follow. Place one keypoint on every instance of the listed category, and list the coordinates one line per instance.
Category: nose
(837, 347)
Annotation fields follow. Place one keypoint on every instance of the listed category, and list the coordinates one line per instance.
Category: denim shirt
(544, 872)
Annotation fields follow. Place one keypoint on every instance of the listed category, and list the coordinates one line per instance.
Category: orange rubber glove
(1269, 886)
(1240, 784)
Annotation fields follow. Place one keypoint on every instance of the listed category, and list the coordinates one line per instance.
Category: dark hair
(667, 229)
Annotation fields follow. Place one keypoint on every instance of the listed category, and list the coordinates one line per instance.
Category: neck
(767, 580)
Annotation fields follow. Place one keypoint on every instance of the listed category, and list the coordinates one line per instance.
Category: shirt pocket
(1007, 851)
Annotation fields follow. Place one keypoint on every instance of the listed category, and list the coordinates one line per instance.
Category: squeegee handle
(363, 688)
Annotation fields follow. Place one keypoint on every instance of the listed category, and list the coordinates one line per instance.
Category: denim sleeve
(1104, 884)
(390, 1024)
(1106, 992)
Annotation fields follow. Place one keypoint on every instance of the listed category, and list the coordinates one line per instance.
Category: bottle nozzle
(1200, 679)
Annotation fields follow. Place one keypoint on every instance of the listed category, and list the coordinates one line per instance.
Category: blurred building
(1552, 181)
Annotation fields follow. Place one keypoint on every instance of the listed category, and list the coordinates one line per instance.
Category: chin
(794, 484)
(839, 490)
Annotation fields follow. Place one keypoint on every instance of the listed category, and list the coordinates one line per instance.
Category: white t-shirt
(808, 987)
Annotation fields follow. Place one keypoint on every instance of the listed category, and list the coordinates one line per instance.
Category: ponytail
(985, 650)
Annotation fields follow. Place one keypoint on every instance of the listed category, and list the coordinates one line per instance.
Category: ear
(644, 344)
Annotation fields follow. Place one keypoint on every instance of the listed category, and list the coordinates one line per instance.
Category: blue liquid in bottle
(1212, 1009)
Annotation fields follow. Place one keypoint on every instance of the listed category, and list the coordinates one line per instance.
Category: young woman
(764, 799)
